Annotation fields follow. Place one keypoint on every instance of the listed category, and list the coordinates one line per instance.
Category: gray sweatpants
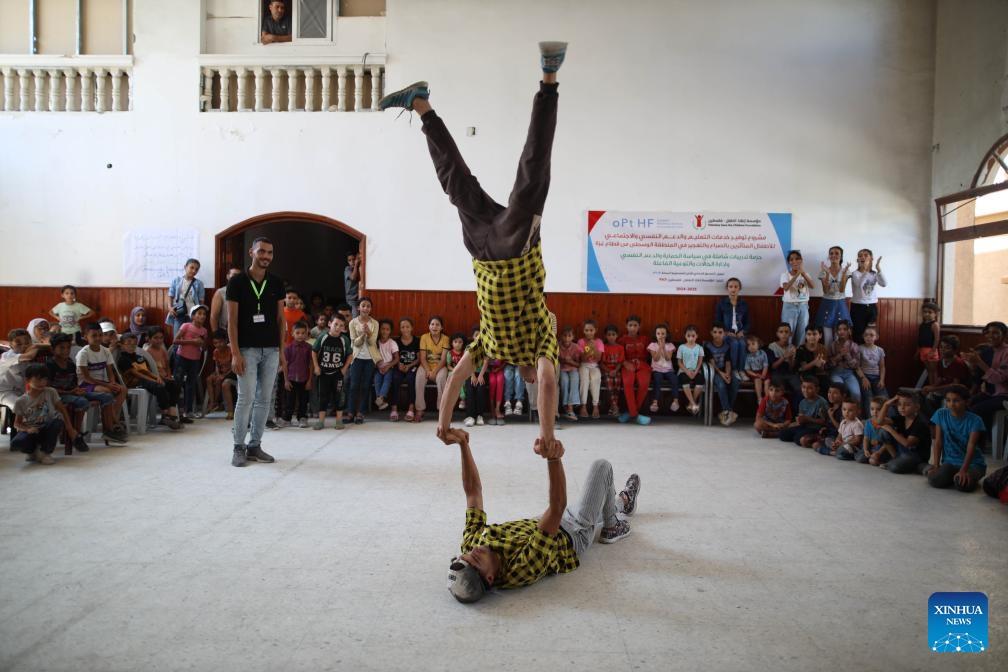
(595, 510)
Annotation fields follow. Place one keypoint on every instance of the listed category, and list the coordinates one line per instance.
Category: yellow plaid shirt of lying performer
(514, 320)
(528, 553)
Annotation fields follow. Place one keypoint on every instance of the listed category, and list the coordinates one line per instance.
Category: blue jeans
(255, 392)
(876, 391)
(737, 350)
(360, 375)
(668, 377)
(849, 380)
(514, 384)
(726, 391)
(796, 314)
(383, 382)
(570, 388)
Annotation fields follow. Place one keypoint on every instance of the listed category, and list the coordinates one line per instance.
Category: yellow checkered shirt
(529, 553)
(514, 321)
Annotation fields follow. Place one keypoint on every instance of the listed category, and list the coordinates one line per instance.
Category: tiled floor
(745, 555)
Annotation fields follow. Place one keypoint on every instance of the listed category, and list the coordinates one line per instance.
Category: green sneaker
(404, 97)
(339, 425)
(552, 55)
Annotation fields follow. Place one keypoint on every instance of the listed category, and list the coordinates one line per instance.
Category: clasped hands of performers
(551, 449)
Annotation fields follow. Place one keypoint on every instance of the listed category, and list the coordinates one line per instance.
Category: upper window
(973, 245)
(310, 21)
(65, 27)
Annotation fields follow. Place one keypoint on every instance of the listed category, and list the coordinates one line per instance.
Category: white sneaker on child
(507, 408)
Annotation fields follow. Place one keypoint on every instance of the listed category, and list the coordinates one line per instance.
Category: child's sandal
(394, 416)
(409, 416)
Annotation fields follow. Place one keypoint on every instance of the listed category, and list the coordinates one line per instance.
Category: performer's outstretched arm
(552, 451)
(471, 479)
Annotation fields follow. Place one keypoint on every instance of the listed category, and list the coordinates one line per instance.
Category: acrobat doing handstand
(505, 245)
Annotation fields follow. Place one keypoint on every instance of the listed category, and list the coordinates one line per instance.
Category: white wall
(818, 108)
(971, 86)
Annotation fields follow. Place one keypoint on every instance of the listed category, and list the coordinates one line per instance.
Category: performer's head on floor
(472, 574)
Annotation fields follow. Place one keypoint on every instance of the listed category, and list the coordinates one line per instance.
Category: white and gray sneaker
(610, 535)
(629, 494)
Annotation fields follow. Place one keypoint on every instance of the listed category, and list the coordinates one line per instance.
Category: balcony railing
(306, 84)
(66, 84)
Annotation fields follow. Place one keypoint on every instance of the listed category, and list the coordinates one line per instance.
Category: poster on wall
(156, 256)
(686, 252)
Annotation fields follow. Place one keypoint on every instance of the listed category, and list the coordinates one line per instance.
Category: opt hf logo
(957, 622)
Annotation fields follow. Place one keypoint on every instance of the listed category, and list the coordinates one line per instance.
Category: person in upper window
(276, 25)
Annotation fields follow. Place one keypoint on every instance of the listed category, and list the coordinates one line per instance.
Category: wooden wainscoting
(898, 318)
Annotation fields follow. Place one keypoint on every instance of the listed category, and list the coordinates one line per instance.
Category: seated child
(782, 368)
(907, 441)
(222, 382)
(950, 369)
(810, 357)
(13, 365)
(477, 391)
(811, 416)
(514, 390)
(452, 356)
(406, 370)
(592, 349)
(570, 380)
(663, 368)
(774, 412)
(956, 458)
(877, 418)
(96, 373)
(495, 383)
(844, 358)
(871, 367)
(331, 356)
(850, 435)
(689, 357)
(726, 384)
(384, 369)
(757, 365)
(137, 371)
(40, 418)
(835, 396)
(612, 367)
(63, 378)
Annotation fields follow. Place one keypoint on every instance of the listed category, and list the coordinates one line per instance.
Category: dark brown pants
(490, 230)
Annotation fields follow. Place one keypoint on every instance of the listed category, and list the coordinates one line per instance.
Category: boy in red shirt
(635, 369)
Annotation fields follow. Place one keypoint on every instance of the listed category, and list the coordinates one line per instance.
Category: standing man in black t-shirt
(255, 301)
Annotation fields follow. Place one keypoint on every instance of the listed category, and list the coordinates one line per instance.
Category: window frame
(332, 11)
(997, 227)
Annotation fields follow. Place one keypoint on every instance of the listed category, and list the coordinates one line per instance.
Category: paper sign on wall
(686, 252)
(156, 256)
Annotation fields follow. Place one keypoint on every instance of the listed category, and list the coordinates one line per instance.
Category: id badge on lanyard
(258, 317)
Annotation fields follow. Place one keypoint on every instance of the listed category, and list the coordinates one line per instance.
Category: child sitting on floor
(774, 412)
(905, 443)
(956, 459)
(39, 418)
(811, 416)
(878, 407)
(835, 396)
(850, 435)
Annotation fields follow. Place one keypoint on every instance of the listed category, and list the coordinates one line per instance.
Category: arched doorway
(310, 250)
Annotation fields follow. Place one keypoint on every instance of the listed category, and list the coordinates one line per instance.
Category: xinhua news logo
(957, 622)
